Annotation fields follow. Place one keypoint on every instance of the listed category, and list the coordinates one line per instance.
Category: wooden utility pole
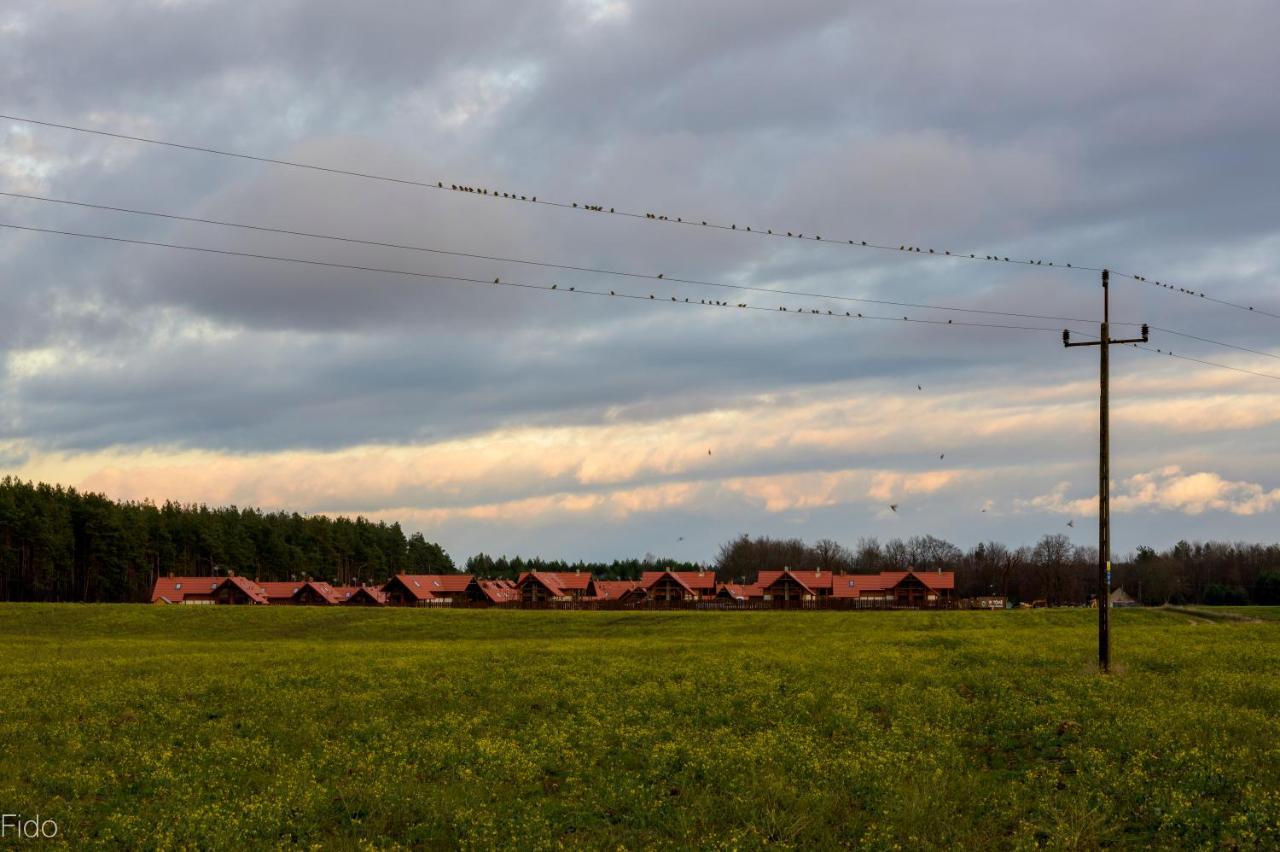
(1104, 344)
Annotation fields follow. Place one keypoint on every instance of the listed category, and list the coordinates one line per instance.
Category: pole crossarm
(1068, 342)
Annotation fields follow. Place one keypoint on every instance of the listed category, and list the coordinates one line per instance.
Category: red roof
(255, 592)
(611, 590)
(812, 581)
(436, 584)
(326, 592)
(498, 591)
(694, 581)
(854, 585)
(740, 592)
(361, 593)
(559, 583)
(279, 591)
(174, 589)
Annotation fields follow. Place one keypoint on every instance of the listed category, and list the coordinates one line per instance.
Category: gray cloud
(1140, 136)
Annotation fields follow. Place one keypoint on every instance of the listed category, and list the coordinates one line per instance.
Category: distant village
(581, 590)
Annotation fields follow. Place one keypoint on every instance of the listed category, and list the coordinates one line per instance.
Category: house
(667, 587)
(426, 589)
(537, 587)
(239, 590)
(612, 590)
(896, 588)
(738, 593)
(365, 596)
(787, 586)
(313, 593)
(184, 590)
(491, 592)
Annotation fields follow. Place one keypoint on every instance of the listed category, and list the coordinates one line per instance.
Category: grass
(222, 727)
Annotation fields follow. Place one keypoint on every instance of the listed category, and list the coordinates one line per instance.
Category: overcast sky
(1140, 136)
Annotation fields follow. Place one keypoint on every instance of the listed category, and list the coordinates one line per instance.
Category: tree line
(61, 544)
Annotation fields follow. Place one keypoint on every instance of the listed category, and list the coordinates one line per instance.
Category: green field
(222, 727)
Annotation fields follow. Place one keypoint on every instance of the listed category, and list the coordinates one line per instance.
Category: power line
(1214, 342)
(600, 208)
(603, 271)
(543, 264)
(610, 294)
(1170, 354)
(521, 285)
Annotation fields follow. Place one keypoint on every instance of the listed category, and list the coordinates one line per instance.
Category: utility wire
(543, 264)
(585, 292)
(1170, 354)
(600, 208)
(602, 271)
(521, 285)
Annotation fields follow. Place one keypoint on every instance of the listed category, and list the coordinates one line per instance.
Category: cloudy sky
(1141, 136)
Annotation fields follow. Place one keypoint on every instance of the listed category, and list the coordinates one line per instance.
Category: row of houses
(912, 589)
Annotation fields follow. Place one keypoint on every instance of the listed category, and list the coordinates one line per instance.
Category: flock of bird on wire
(893, 507)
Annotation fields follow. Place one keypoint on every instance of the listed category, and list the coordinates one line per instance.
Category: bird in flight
(681, 538)
(919, 388)
(943, 456)
(708, 452)
(1071, 523)
(893, 506)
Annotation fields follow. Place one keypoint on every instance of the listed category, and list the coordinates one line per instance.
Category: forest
(61, 544)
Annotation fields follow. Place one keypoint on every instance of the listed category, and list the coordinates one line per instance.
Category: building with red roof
(184, 590)
(668, 587)
(739, 593)
(613, 590)
(365, 596)
(491, 592)
(787, 586)
(537, 587)
(315, 593)
(239, 590)
(426, 589)
(897, 588)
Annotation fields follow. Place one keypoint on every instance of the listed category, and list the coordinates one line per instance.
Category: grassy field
(220, 727)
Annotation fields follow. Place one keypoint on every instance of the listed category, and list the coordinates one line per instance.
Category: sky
(1138, 136)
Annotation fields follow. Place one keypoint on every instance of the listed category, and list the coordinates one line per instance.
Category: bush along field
(234, 728)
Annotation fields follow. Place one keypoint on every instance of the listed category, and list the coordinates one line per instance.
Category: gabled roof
(811, 581)
(326, 592)
(255, 592)
(436, 584)
(558, 582)
(855, 585)
(363, 593)
(174, 589)
(612, 590)
(696, 582)
(739, 592)
(280, 591)
(497, 591)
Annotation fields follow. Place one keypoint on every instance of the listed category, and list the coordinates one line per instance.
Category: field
(222, 727)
